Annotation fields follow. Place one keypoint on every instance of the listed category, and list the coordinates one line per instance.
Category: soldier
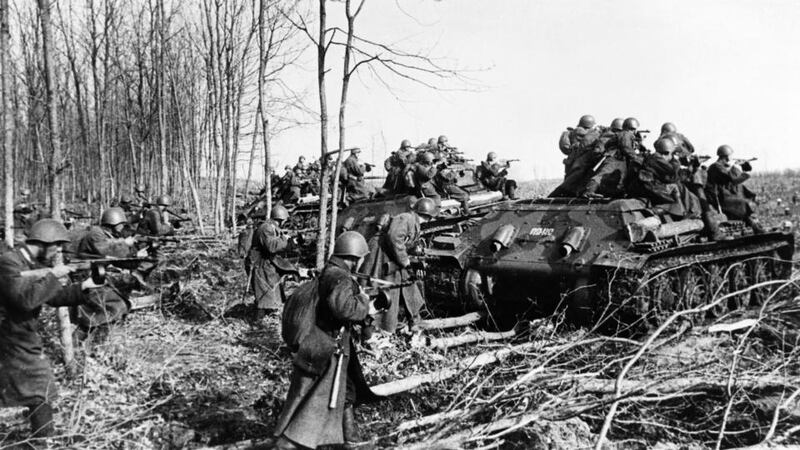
(395, 166)
(726, 192)
(493, 175)
(155, 221)
(268, 243)
(391, 262)
(290, 186)
(353, 178)
(308, 420)
(106, 305)
(139, 191)
(26, 378)
(657, 179)
(611, 172)
(445, 183)
(583, 147)
(682, 144)
(421, 178)
(301, 168)
(576, 141)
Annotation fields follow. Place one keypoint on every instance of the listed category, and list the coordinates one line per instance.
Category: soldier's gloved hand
(61, 270)
(746, 166)
(90, 284)
(142, 253)
(130, 241)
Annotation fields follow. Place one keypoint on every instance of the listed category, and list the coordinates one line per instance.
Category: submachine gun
(97, 267)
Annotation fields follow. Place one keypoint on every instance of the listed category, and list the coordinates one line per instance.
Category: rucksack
(300, 314)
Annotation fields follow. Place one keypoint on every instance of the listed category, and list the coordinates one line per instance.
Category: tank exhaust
(503, 236)
(572, 241)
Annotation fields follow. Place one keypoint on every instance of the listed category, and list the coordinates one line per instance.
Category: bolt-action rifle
(97, 266)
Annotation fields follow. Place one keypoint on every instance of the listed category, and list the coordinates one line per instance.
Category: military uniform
(106, 304)
(583, 148)
(26, 378)
(389, 261)
(445, 183)
(493, 176)
(153, 223)
(306, 418)
(290, 188)
(725, 191)
(423, 175)
(619, 152)
(353, 179)
(657, 181)
(268, 243)
(395, 166)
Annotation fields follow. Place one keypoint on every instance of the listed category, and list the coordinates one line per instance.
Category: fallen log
(469, 363)
(484, 430)
(144, 301)
(470, 337)
(430, 420)
(449, 322)
(607, 386)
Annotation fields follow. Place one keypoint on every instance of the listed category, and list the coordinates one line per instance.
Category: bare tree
(8, 123)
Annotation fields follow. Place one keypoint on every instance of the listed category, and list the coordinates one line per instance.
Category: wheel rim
(718, 287)
(737, 278)
(758, 272)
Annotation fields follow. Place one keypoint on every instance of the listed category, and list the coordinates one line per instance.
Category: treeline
(155, 92)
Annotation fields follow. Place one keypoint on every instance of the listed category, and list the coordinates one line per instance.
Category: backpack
(300, 314)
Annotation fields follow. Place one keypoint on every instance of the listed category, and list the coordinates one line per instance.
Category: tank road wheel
(717, 286)
(737, 278)
(758, 272)
(662, 297)
(694, 289)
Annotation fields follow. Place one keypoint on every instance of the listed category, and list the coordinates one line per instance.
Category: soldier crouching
(318, 410)
(26, 378)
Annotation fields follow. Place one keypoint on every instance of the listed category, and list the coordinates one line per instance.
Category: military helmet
(664, 146)
(405, 144)
(587, 121)
(126, 198)
(432, 142)
(442, 140)
(279, 212)
(48, 231)
(113, 216)
(25, 192)
(427, 157)
(616, 124)
(630, 124)
(163, 200)
(355, 151)
(350, 243)
(140, 187)
(288, 167)
(426, 207)
(724, 150)
(668, 127)
(491, 155)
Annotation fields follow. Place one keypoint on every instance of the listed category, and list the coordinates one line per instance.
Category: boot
(352, 436)
(41, 417)
(712, 228)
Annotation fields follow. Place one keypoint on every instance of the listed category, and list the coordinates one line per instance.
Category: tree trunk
(323, 125)
(8, 123)
(56, 164)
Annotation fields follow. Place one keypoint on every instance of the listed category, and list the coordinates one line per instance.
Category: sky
(724, 71)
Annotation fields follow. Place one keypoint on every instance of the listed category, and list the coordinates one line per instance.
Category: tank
(609, 262)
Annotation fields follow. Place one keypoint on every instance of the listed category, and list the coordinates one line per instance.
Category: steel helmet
(48, 231)
(724, 150)
(355, 151)
(350, 243)
(432, 142)
(491, 155)
(140, 187)
(126, 198)
(279, 212)
(587, 121)
(405, 144)
(427, 157)
(163, 200)
(288, 167)
(25, 192)
(113, 216)
(426, 207)
(630, 124)
(616, 124)
(442, 140)
(668, 127)
(665, 146)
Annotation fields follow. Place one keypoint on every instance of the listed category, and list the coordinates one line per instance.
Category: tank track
(634, 301)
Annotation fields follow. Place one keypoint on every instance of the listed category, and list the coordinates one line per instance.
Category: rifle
(380, 284)
(96, 266)
(167, 210)
(333, 152)
(509, 161)
(75, 215)
(740, 161)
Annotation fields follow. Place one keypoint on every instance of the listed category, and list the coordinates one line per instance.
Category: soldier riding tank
(604, 261)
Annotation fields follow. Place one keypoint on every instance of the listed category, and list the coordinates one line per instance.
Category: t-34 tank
(609, 261)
